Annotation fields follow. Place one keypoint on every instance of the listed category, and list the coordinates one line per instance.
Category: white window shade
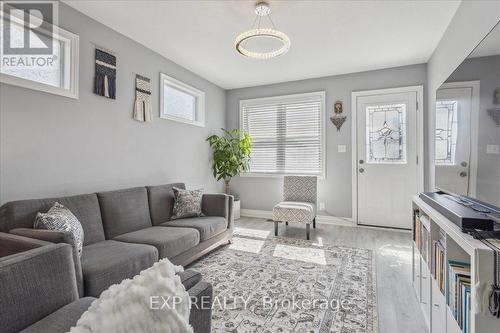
(287, 133)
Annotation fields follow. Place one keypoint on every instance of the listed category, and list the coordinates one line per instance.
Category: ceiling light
(262, 9)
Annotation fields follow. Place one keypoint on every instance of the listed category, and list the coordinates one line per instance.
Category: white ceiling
(328, 37)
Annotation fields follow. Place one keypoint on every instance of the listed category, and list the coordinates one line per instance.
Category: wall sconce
(338, 119)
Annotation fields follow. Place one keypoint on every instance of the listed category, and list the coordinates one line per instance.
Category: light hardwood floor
(398, 308)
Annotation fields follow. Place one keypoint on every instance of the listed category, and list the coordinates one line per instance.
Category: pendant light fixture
(262, 10)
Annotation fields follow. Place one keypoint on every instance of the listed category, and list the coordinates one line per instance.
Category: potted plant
(231, 154)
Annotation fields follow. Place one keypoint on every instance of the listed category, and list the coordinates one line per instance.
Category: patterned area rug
(267, 284)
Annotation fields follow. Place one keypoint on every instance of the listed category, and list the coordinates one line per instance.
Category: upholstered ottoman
(294, 212)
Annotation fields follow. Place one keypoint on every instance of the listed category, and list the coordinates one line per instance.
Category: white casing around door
(387, 146)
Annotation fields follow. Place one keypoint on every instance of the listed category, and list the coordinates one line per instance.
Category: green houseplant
(231, 154)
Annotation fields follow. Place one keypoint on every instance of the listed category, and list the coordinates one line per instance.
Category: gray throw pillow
(187, 203)
(60, 218)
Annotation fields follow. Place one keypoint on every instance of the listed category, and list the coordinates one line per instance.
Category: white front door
(387, 172)
(453, 139)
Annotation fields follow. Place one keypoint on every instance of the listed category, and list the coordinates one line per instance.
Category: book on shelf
(438, 267)
(417, 232)
(458, 292)
(425, 242)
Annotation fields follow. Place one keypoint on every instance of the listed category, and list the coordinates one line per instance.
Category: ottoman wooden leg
(275, 228)
(308, 230)
(286, 223)
(314, 223)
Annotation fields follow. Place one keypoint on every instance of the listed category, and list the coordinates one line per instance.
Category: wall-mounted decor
(105, 74)
(142, 105)
(338, 119)
(495, 112)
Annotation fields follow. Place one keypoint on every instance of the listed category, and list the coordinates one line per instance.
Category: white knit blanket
(143, 304)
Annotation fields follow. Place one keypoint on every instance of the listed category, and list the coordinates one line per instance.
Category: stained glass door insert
(446, 132)
(386, 133)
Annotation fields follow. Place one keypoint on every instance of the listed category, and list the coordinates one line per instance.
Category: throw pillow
(187, 203)
(60, 218)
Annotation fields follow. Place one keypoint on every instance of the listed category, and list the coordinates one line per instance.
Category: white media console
(460, 247)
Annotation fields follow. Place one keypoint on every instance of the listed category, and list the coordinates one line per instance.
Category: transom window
(386, 133)
(446, 132)
(181, 102)
(56, 72)
(287, 133)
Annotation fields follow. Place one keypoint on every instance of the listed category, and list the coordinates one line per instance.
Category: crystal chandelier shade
(262, 9)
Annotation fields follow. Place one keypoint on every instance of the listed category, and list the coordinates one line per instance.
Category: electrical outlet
(321, 206)
(341, 148)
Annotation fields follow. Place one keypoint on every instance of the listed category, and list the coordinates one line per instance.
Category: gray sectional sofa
(127, 230)
(39, 294)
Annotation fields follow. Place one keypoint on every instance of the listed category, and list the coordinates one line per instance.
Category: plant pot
(236, 209)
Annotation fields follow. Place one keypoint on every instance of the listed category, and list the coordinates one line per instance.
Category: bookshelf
(447, 266)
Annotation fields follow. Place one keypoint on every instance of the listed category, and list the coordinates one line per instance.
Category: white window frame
(70, 70)
(184, 87)
(321, 95)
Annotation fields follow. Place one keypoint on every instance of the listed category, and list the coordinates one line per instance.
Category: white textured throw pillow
(137, 305)
(187, 203)
(60, 218)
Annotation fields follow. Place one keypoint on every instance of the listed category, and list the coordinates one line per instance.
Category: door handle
(463, 174)
(361, 170)
(464, 164)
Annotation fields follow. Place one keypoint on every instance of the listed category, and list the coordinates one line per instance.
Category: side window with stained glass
(386, 134)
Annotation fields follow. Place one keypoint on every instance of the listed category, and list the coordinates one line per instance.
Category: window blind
(287, 134)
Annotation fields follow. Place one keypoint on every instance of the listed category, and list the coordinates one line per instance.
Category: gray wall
(335, 190)
(471, 23)
(53, 145)
(486, 70)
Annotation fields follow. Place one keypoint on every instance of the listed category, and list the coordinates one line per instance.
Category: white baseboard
(262, 214)
(266, 214)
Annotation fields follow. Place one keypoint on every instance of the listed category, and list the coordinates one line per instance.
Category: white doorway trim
(419, 90)
(474, 131)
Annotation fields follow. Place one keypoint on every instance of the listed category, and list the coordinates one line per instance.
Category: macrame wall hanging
(105, 74)
(142, 105)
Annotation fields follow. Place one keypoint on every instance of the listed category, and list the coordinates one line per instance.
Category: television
(467, 131)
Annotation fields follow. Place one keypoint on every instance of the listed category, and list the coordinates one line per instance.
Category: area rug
(272, 284)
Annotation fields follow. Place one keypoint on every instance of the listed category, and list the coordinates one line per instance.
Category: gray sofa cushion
(169, 241)
(13, 244)
(55, 237)
(109, 262)
(35, 283)
(200, 317)
(216, 205)
(124, 211)
(21, 214)
(63, 319)
(189, 278)
(207, 226)
(161, 201)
